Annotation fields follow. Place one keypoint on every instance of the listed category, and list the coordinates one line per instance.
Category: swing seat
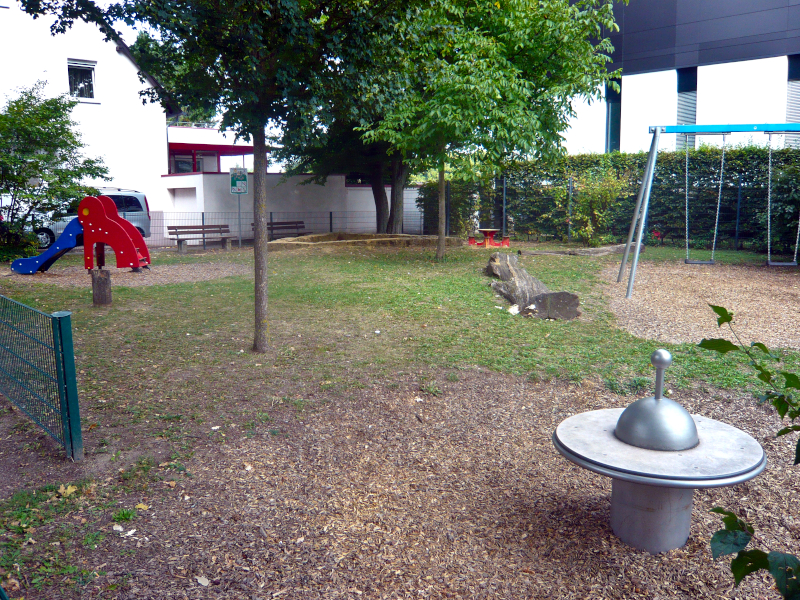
(772, 263)
(698, 262)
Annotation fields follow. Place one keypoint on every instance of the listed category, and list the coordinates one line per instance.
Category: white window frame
(84, 64)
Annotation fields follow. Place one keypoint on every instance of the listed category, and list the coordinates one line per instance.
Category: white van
(131, 205)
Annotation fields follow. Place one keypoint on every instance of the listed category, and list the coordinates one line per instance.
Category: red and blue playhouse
(98, 224)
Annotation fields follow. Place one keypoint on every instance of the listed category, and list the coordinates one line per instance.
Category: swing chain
(687, 195)
(719, 199)
(769, 202)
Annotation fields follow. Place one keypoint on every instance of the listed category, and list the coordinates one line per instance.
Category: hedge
(537, 198)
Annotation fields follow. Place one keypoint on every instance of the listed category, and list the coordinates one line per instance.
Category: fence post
(738, 208)
(67, 384)
(269, 229)
(330, 217)
(569, 211)
(203, 222)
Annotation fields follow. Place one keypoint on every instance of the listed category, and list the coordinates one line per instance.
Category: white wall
(752, 91)
(587, 130)
(648, 99)
(130, 137)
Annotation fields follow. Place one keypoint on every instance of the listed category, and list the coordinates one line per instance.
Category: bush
(537, 194)
(16, 243)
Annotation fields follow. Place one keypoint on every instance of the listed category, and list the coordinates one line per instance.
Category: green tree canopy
(42, 166)
(482, 82)
(249, 61)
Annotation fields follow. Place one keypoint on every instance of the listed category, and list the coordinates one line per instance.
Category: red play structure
(102, 225)
(99, 224)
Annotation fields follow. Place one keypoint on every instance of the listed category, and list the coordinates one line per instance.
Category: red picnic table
(488, 239)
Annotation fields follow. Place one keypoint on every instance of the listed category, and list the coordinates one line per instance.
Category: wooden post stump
(101, 287)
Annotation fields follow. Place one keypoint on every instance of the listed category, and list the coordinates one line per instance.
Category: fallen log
(531, 296)
(602, 251)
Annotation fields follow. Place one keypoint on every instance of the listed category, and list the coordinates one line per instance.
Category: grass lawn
(165, 363)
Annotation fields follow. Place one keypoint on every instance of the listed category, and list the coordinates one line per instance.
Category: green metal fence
(37, 371)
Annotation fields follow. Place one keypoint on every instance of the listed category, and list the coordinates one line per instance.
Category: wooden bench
(282, 229)
(207, 233)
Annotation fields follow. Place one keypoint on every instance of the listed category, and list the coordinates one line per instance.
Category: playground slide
(65, 242)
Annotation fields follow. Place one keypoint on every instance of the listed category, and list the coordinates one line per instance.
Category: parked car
(131, 205)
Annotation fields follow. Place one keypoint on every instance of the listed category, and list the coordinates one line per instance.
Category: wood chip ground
(399, 494)
(670, 302)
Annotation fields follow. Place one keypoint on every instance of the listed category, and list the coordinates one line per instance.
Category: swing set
(643, 198)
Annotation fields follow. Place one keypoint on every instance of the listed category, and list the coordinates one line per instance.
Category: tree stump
(101, 287)
(532, 296)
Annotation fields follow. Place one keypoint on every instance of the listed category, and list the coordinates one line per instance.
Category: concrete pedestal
(651, 498)
(651, 518)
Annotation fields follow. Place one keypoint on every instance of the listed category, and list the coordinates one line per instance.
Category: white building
(180, 169)
(113, 123)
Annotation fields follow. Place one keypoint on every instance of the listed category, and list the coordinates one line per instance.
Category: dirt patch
(77, 276)
(670, 302)
(401, 494)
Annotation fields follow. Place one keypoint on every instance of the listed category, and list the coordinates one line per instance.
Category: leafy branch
(737, 534)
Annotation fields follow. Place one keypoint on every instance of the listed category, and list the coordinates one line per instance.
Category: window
(81, 79)
(183, 164)
(127, 203)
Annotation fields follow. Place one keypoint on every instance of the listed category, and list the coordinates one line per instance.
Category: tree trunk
(399, 179)
(379, 194)
(442, 222)
(530, 295)
(261, 220)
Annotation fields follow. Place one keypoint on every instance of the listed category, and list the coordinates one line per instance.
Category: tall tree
(42, 166)
(248, 60)
(487, 80)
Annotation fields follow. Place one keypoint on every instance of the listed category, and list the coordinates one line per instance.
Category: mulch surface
(399, 494)
(392, 493)
(670, 302)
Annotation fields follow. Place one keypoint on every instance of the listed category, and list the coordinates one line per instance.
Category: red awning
(221, 149)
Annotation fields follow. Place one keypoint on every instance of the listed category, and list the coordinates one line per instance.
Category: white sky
(734, 93)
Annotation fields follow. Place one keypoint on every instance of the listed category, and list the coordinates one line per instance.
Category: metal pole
(203, 222)
(65, 366)
(738, 209)
(569, 211)
(645, 175)
(645, 205)
(330, 218)
(504, 205)
(239, 198)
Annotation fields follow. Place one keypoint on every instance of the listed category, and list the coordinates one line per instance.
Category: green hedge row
(537, 199)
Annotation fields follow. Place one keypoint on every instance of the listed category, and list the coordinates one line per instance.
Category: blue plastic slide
(65, 242)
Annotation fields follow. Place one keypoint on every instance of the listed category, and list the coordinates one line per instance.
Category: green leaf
(780, 404)
(786, 430)
(792, 380)
(718, 345)
(731, 521)
(763, 348)
(764, 374)
(784, 569)
(748, 561)
(725, 542)
(723, 315)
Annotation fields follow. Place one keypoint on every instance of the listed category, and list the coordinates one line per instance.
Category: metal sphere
(661, 359)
